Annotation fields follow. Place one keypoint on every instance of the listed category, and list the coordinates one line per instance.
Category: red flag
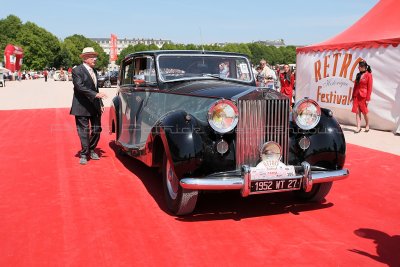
(113, 48)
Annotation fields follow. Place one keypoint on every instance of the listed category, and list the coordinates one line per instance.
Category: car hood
(218, 89)
(223, 89)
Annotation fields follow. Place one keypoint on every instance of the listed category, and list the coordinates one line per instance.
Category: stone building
(123, 43)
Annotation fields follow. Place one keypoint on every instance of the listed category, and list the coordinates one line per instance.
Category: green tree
(257, 52)
(211, 47)
(9, 29)
(124, 52)
(74, 45)
(40, 46)
(152, 47)
(167, 46)
(192, 47)
(140, 47)
(289, 54)
(237, 48)
(64, 57)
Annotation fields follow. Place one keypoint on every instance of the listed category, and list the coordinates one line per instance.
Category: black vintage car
(199, 117)
(111, 78)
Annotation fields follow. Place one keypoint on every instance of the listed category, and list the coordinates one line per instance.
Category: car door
(138, 83)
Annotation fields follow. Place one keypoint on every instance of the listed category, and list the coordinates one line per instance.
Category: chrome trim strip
(210, 183)
(275, 191)
(246, 178)
(243, 183)
(201, 55)
(321, 177)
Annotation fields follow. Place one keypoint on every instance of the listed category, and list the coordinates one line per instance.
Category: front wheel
(317, 193)
(180, 201)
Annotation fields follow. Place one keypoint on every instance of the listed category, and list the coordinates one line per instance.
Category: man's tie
(93, 76)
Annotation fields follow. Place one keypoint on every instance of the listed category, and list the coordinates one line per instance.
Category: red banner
(13, 57)
(113, 48)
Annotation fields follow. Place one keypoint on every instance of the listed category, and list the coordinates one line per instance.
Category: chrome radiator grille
(261, 121)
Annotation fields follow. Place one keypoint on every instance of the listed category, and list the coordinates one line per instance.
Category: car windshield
(187, 67)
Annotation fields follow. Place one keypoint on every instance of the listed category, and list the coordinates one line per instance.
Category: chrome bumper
(242, 182)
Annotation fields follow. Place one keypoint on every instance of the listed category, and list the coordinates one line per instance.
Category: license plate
(275, 185)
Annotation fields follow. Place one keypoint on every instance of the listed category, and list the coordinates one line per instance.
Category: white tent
(326, 71)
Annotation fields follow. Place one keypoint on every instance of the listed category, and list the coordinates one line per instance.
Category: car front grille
(261, 121)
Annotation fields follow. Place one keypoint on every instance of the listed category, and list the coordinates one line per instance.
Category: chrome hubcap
(172, 181)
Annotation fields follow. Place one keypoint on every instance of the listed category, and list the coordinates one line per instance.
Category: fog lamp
(304, 143)
(222, 146)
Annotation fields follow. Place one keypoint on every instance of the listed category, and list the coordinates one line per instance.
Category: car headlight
(306, 114)
(223, 116)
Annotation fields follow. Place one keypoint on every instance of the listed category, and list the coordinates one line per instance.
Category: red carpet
(111, 212)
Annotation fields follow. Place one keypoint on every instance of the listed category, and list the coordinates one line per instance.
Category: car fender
(327, 143)
(180, 135)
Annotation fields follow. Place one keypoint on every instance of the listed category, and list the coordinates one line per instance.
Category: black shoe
(83, 160)
(357, 131)
(94, 156)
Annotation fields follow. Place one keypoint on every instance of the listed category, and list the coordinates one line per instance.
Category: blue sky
(203, 21)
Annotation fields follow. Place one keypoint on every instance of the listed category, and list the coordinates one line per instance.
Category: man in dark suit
(87, 105)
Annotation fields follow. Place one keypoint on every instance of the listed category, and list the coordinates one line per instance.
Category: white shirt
(267, 71)
(90, 70)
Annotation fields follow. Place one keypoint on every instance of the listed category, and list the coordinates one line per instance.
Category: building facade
(124, 43)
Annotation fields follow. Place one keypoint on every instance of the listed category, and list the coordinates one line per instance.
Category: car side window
(127, 74)
(144, 72)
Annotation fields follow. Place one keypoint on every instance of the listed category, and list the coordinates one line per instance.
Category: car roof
(185, 52)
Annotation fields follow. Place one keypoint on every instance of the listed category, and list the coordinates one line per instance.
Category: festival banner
(113, 48)
(328, 78)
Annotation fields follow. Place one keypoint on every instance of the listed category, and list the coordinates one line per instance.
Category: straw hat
(88, 52)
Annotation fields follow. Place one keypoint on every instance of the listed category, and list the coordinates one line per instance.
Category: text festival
(335, 66)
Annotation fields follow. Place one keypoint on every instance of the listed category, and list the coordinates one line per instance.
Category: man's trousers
(88, 134)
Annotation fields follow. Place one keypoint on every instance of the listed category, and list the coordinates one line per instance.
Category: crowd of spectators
(281, 77)
(31, 75)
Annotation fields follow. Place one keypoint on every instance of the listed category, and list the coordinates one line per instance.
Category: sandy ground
(36, 94)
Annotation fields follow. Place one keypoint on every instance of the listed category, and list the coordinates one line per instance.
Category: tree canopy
(42, 49)
(74, 45)
(255, 51)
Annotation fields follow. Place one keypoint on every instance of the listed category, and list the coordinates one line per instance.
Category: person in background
(260, 79)
(270, 82)
(362, 94)
(287, 82)
(62, 74)
(69, 74)
(278, 73)
(266, 71)
(277, 70)
(45, 74)
(87, 105)
(224, 69)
